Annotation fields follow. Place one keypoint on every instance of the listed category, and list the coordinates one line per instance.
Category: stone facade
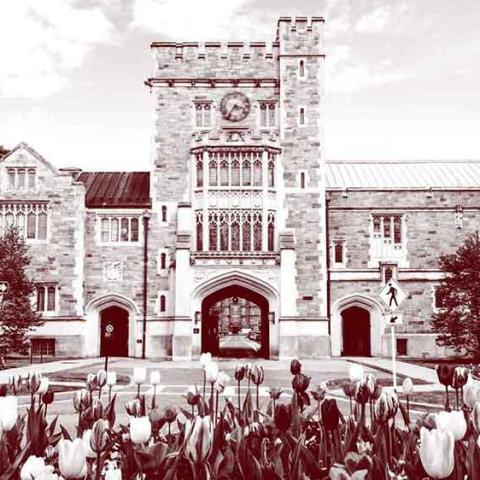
(239, 196)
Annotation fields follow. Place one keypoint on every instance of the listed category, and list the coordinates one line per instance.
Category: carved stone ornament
(235, 106)
(113, 271)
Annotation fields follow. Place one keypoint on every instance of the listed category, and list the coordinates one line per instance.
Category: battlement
(300, 35)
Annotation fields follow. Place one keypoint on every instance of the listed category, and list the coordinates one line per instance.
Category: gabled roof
(31, 151)
(403, 175)
(116, 189)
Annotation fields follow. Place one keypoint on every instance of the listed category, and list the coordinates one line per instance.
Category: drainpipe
(327, 235)
(146, 217)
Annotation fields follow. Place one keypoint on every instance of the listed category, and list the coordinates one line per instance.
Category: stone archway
(356, 332)
(374, 323)
(235, 322)
(114, 332)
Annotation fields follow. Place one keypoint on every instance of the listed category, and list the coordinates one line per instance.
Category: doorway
(114, 332)
(356, 332)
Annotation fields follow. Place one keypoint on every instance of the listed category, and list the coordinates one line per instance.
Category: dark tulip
(295, 367)
(257, 374)
(445, 374)
(283, 417)
(300, 382)
(170, 414)
(362, 393)
(192, 396)
(47, 397)
(349, 389)
(330, 414)
(239, 373)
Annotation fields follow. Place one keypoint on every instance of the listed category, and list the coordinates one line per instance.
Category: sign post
(108, 334)
(393, 296)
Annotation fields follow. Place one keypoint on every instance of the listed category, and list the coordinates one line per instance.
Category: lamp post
(146, 218)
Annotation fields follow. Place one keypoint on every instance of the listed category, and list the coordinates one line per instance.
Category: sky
(402, 76)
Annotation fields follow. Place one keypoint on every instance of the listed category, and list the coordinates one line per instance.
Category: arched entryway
(356, 332)
(235, 323)
(114, 332)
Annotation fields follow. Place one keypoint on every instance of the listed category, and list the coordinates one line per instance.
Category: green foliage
(17, 316)
(458, 321)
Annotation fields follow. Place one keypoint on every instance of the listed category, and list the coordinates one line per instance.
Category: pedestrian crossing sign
(392, 295)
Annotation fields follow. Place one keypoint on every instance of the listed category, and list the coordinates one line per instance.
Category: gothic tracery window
(31, 219)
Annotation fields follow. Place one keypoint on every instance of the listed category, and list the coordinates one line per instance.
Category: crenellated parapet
(300, 36)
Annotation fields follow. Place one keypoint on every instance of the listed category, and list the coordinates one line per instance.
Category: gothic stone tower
(238, 192)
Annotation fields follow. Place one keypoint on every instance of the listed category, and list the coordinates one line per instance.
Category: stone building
(241, 239)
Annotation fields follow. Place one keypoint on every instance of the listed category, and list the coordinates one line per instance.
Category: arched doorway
(114, 332)
(235, 323)
(356, 332)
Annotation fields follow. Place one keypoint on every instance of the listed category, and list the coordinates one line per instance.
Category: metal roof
(116, 189)
(392, 175)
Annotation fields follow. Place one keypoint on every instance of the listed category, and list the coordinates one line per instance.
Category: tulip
(371, 383)
(330, 414)
(445, 376)
(460, 377)
(32, 467)
(48, 474)
(86, 437)
(300, 382)
(356, 372)
(362, 393)
(295, 367)
(133, 407)
(193, 397)
(72, 458)
(211, 372)
(471, 395)
(81, 400)
(113, 474)
(8, 412)
(222, 381)
(199, 435)
(283, 417)
(453, 422)
(111, 378)
(407, 386)
(349, 391)
(257, 374)
(275, 393)
(99, 436)
(101, 381)
(386, 406)
(140, 429)
(436, 452)
(319, 393)
(476, 417)
(205, 358)
(48, 397)
(33, 382)
(155, 378)
(91, 382)
(239, 373)
(15, 383)
(139, 375)
(43, 387)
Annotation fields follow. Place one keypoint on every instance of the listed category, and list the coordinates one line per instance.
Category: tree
(17, 316)
(458, 319)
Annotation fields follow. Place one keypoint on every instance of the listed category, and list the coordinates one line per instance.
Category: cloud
(378, 19)
(42, 42)
(199, 20)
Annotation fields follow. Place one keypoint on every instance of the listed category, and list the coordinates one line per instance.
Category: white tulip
(44, 384)
(453, 422)
(356, 372)
(211, 372)
(32, 467)
(111, 378)
(140, 429)
(87, 435)
(8, 412)
(155, 377)
(205, 358)
(139, 375)
(222, 381)
(407, 386)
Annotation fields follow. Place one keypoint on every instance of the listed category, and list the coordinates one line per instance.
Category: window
(43, 346)
(121, 229)
(271, 232)
(199, 233)
(199, 173)
(163, 303)
(21, 178)
(388, 272)
(389, 228)
(164, 213)
(46, 300)
(402, 346)
(302, 179)
(301, 69)
(438, 301)
(203, 114)
(30, 219)
(301, 116)
(267, 114)
(163, 261)
(257, 173)
(271, 173)
(338, 252)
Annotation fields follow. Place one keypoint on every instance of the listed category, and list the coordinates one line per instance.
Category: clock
(235, 106)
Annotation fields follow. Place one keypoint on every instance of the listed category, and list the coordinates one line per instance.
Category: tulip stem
(216, 411)
(408, 406)
(99, 469)
(154, 398)
(204, 382)
(258, 405)
(109, 393)
(238, 394)
(447, 402)
(138, 391)
(212, 400)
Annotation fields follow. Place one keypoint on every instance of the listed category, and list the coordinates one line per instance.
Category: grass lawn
(386, 381)
(80, 375)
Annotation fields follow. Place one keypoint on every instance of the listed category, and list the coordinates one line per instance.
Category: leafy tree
(17, 316)
(458, 319)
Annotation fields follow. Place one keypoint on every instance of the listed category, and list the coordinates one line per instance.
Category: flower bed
(214, 437)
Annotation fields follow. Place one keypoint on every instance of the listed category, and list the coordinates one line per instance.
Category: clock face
(235, 106)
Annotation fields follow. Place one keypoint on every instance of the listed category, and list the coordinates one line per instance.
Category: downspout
(327, 235)
(146, 218)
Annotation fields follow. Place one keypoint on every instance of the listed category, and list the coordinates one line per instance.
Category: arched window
(163, 261)
(134, 230)
(271, 174)
(246, 234)
(377, 221)
(40, 299)
(164, 213)
(224, 173)
(163, 303)
(31, 225)
(302, 179)
(271, 236)
(257, 235)
(235, 233)
(212, 233)
(199, 174)
(257, 173)
(51, 299)
(235, 171)
(246, 173)
(21, 223)
(302, 116)
(42, 226)
(302, 68)
(10, 221)
(224, 235)
(199, 232)
(212, 173)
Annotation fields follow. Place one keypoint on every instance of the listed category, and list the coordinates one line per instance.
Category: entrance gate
(235, 323)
